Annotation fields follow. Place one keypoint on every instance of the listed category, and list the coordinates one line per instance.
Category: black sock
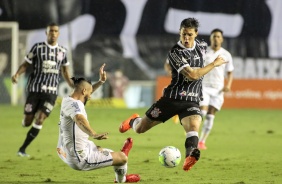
(190, 144)
(31, 134)
(131, 122)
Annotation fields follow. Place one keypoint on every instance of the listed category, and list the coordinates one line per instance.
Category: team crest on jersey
(60, 55)
(28, 108)
(182, 93)
(155, 112)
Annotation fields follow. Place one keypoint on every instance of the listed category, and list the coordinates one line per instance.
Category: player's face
(52, 33)
(187, 37)
(216, 39)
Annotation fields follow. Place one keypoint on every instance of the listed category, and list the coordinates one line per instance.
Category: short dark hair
(77, 81)
(52, 24)
(190, 23)
(217, 30)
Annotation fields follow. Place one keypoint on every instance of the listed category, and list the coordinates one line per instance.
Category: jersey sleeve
(178, 62)
(32, 53)
(63, 51)
(229, 65)
(74, 109)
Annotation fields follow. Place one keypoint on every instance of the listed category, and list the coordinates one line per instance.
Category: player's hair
(77, 81)
(217, 30)
(52, 24)
(190, 23)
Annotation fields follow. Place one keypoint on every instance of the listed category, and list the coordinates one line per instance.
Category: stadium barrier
(251, 93)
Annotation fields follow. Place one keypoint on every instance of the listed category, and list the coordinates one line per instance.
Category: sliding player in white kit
(214, 85)
(74, 147)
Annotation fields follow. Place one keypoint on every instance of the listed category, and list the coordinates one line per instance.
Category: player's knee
(123, 159)
(27, 121)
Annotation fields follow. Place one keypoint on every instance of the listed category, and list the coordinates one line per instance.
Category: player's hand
(226, 89)
(101, 136)
(219, 61)
(15, 79)
(103, 74)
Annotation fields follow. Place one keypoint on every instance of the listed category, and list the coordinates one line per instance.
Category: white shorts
(213, 97)
(92, 158)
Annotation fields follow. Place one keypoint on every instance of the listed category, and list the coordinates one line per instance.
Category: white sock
(120, 173)
(135, 122)
(206, 129)
(37, 126)
(203, 113)
(191, 133)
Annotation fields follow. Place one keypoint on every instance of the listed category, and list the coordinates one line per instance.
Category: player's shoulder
(62, 48)
(39, 44)
(175, 47)
(224, 51)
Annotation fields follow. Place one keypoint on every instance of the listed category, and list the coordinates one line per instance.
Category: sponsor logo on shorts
(194, 109)
(28, 107)
(155, 112)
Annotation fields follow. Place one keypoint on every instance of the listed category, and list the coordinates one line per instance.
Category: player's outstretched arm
(20, 70)
(102, 80)
(84, 125)
(195, 74)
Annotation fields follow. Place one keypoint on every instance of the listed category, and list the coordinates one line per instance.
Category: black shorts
(165, 108)
(39, 101)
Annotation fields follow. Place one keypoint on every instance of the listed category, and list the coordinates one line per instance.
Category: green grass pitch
(245, 147)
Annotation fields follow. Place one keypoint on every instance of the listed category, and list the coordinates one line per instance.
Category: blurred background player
(46, 59)
(74, 146)
(118, 83)
(214, 85)
(182, 96)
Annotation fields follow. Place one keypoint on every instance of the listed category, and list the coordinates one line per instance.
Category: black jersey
(179, 57)
(46, 61)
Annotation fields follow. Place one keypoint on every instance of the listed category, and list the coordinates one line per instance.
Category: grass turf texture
(245, 147)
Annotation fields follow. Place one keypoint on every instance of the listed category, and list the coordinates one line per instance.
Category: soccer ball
(170, 156)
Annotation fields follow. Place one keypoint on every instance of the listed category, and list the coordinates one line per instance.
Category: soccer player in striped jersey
(184, 93)
(213, 84)
(47, 59)
(74, 146)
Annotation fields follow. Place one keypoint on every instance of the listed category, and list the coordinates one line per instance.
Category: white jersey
(72, 140)
(215, 78)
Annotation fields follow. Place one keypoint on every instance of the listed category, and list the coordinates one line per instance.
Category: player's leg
(191, 121)
(44, 106)
(201, 145)
(33, 132)
(159, 112)
(121, 171)
(216, 103)
(191, 125)
(207, 126)
(30, 109)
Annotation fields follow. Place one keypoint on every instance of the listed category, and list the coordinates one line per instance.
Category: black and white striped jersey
(179, 57)
(46, 61)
